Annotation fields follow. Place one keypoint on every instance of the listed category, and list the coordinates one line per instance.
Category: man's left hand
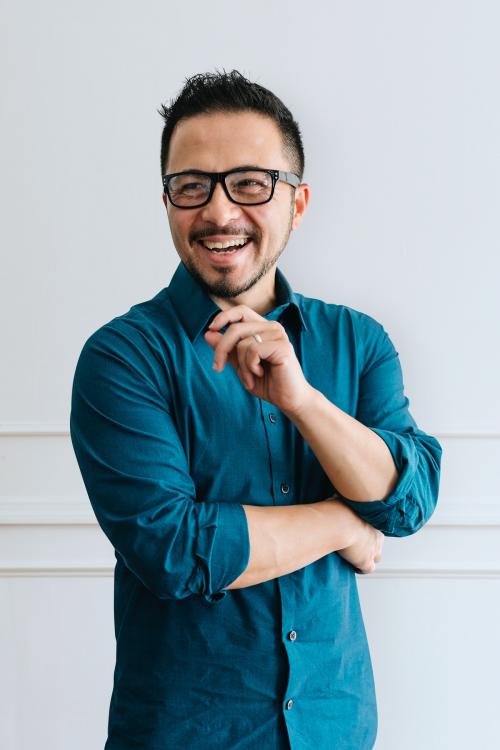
(269, 370)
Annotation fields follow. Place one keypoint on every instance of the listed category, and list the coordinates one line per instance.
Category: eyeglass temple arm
(289, 177)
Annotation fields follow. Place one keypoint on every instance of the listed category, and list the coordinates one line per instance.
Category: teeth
(224, 245)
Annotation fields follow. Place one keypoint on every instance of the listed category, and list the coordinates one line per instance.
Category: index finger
(234, 315)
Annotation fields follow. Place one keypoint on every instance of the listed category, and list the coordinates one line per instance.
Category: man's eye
(188, 189)
(192, 186)
(249, 185)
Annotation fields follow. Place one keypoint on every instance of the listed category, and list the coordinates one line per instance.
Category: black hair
(231, 92)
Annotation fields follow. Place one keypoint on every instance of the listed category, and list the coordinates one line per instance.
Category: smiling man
(245, 449)
(232, 247)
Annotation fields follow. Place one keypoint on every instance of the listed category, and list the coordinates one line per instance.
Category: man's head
(221, 122)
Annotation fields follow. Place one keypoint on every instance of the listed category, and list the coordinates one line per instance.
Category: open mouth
(231, 247)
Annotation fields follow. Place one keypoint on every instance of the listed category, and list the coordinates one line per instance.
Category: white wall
(399, 110)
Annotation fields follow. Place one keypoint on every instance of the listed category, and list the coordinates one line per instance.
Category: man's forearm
(356, 460)
(286, 538)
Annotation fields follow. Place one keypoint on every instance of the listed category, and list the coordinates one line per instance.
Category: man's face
(218, 142)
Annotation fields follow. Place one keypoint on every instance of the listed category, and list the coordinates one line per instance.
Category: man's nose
(220, 210)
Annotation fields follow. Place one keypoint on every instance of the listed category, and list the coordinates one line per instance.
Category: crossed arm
(394, 467)
(358, 462)
(379, 488)
(137, 477)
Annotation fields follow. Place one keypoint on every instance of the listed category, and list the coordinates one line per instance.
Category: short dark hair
(231, 92)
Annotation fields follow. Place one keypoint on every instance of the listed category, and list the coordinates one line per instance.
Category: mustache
(230, 231)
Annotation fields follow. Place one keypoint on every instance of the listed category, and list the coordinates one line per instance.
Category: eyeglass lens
(243, 187)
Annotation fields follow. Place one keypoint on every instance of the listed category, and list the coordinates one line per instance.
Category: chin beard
(225, 288)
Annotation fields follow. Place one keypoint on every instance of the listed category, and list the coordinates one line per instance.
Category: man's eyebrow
(248, 166)
(190, 170)
(240, 166)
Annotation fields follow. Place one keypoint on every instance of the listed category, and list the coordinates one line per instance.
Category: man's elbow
(414, 510)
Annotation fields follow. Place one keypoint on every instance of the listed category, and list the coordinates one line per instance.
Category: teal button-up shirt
(169, 450)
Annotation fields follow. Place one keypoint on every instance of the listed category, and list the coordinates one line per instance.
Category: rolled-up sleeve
(136, 475)
(383, 407)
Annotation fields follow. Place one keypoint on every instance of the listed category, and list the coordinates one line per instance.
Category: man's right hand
(366, 548)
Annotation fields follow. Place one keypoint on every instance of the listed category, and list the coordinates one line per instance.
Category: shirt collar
(196, 309)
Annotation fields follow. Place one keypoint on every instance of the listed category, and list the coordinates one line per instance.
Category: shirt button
(289, 704)
(292, 635)
(285, 488)
(272, 418)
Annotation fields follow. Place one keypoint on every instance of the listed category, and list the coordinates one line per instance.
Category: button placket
(278, 437)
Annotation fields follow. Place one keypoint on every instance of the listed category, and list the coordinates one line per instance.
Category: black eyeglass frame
(276, 174)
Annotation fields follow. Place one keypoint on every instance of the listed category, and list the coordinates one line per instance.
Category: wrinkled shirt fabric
(169, 450)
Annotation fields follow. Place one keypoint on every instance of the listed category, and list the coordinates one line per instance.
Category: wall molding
(33, 569)
(467, 513)
(46, 511)
(100, 569)
(77, 511)
(61, 429)
(21, 429)
(433, 572)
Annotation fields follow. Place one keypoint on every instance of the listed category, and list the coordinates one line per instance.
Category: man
(245, 449)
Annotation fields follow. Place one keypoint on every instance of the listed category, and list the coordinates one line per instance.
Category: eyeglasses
(247, 187)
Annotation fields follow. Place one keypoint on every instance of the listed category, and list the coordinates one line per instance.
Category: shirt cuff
(222, 556)
(384, 514)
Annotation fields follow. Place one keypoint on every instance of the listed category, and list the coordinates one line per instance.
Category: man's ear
(165, 200)
(302, 195)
